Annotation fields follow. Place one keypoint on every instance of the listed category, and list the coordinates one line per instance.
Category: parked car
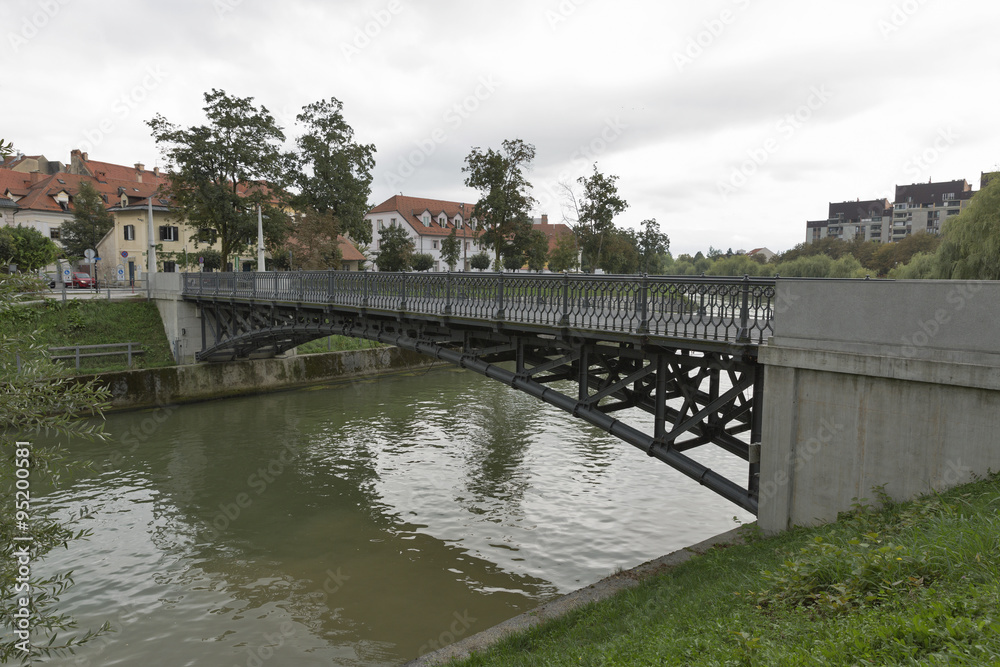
(82, 280)
(48, 278)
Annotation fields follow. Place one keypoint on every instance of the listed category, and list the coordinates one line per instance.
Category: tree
(621, 252)
(598, 208)
(480, 261)
(565, 256)
(333, 173)
(422, 261)
(537, 252)
(451, 249)
(6, 149)
(970, 246)
(316, 245)
(26, 247)
(91, 221)
(395, 249)
(221, 172)
(504, 199)
(652, 245)
(34, 400)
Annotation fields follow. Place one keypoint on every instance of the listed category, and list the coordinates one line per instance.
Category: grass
(913, 584)
(94, 322)
(336, 344)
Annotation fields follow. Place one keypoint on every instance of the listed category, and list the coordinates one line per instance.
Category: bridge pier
(182, 320)
(876, 384)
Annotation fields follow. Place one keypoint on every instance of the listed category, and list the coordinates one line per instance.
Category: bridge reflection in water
(682, 349)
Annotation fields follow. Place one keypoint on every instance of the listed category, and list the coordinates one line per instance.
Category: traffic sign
(124, 253)
(89, 253)
(201, 260)
(121, 272)
(66, 273)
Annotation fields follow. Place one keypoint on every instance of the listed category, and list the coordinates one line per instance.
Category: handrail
(736, 310)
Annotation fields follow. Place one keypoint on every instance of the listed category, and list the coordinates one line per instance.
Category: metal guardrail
(111, 349)
(738, 310)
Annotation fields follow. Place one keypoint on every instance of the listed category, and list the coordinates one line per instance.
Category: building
(552, 231)
(766, 253)
(351, 258)
(428, 222)
(868, 220)
(923, 207)
(43, 190)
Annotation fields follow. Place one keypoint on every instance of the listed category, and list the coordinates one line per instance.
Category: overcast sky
(731, 122)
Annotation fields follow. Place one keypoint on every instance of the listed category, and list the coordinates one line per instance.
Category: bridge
(681, 350)
(867, 383)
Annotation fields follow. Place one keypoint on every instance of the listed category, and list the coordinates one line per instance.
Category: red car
(82, 280)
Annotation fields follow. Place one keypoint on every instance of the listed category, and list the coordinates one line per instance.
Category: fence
(113, 349)
(719, 309)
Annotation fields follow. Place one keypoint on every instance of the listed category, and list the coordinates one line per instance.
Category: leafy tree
(480, 261)
(221, 172)
(513, 262)
(422, 261)
(970, 248)
(35, 400)
(504, 199)
(537, 252)
(565, 255)
(395, 249)
(333, 173)
(316, 242)
(91, 221)
(652, 243)
(451, 249)
(922, 266)
(598, 208)
(6, 149)
(621, 254)
(27, 247)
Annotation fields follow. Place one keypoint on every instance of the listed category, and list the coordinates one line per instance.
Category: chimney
(35, 177)
(545, 219)
(84, 156)
(156, 171)
(138, 171)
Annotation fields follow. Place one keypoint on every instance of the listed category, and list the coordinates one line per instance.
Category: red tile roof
(410, 208)
(40, 194)
(348, 252)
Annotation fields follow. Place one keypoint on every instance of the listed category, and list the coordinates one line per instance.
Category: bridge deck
(728, 310)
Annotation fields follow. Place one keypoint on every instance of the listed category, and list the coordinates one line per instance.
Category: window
(392, 221)
(168, 233)
(948, 196)
(169, 267)
(130, 232)
(467, 245)
(426, 219)
(434, 244)
(381, 225)
(206, 234)
(54, 233)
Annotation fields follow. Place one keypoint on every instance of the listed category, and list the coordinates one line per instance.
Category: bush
(421, 261)
(480, 261)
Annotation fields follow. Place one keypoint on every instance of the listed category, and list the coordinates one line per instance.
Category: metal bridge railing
(737, 310)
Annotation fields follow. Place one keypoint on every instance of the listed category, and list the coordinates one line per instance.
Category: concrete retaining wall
(200, 382)
(893, 384)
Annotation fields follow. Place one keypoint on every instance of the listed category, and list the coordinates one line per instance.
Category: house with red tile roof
(428, 222)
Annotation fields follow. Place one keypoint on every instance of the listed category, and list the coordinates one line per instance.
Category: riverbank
(145, 388)
(912, 583)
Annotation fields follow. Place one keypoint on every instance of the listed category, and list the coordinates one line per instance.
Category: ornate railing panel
(738, 310)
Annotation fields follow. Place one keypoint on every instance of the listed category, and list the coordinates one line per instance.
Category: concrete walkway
(556, 608)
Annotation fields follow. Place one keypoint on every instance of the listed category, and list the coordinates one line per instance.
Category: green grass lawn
(914, 584)
(336, 344)
(93, 322)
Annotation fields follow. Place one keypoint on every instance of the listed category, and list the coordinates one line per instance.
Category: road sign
(124, 253)
(97, 259)
(66, 273)
(89, 253)
(121, 272)
(201, 260)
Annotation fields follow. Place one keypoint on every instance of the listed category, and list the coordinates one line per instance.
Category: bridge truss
(682, 351)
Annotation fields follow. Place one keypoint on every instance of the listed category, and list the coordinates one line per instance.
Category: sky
(730, 122)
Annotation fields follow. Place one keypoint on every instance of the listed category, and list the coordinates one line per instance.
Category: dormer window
(426, 219)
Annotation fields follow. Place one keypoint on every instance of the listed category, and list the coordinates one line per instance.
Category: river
(362, 523)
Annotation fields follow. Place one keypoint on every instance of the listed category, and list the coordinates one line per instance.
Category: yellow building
(126, 246)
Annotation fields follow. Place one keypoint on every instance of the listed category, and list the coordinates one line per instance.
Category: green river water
(362, 523)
